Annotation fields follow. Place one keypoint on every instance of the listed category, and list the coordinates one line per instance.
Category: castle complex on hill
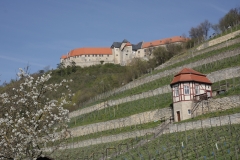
(119, 53)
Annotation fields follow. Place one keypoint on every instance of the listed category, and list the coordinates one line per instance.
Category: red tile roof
(63, 56)
(164, 41)
(84, 51)
(87, 51)
(187, 75)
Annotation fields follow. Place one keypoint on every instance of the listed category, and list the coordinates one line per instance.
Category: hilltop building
(188, 88)
(119, 53)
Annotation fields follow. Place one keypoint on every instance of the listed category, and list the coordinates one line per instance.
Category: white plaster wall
(183, 107)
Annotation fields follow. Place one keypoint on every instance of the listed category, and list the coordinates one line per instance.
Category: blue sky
(37, 33)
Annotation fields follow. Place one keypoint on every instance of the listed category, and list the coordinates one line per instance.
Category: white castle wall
(88, 60)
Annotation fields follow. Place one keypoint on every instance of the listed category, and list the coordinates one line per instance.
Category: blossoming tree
(29, 121)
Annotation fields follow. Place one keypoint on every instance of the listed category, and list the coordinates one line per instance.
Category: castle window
(88, 55)
(126, 54)
(138, 51)
(189, 111)
(186, 90)
(116, 54)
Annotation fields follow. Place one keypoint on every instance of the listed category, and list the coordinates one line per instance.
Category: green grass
(198, 57)
(220, 143)
(147, 104)
(205, 69)
(94, 150)
(123, 110)
(233, 89)
(120, 130)
(235, 28)
(211, 67)
(193, 144)
(226, 84)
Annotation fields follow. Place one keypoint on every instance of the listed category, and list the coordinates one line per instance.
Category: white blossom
(29, 119)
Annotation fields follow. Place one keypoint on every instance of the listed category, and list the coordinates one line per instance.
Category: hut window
(176, 91)
(186, 89)
(197, 90)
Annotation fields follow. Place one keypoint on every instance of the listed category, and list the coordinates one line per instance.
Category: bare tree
(196, 33)
(216, 28)
(231, 18)
(205, 26)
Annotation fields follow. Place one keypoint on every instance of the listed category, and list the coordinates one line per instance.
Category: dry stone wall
(179, 127)
(227, 73)
(206, 123)
(220, 104)
(219, 40)
(155, 115)
(169, 72)
(223, 74)
(136, 119)
(195, 53)
(113, 138)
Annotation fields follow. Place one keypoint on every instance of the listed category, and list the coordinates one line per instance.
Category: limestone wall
(112, 138)
(214, 77)
(206, 123)
(179, 127)
(155, 115)
(219, 40)
(140, 118)
(169, 72)
(195, 52)
(220, 104)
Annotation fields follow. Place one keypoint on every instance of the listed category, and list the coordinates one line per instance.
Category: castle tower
(187, 87)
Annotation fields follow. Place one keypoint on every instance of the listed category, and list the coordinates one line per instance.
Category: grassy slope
(168, 146)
